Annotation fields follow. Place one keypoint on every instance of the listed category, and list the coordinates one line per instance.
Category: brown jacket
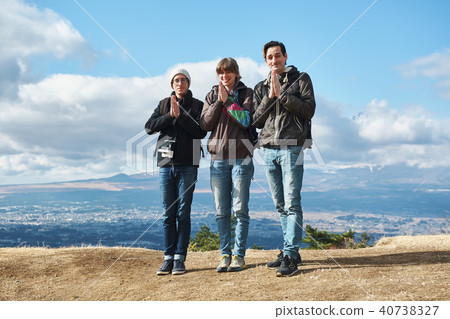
(227, 140)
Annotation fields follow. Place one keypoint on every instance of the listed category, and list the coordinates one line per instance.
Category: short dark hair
(229, 65)
(273, 44)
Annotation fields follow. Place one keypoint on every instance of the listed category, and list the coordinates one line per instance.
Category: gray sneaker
(237, 264)
(225, 261)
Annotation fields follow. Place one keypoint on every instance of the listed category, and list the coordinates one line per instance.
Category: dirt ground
(399, 268)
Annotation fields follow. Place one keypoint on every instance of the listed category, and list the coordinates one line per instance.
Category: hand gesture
(174, 107)
(223, 94)
(275, 87)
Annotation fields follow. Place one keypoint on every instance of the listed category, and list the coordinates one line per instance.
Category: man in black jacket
(284, 105)
(177, 119)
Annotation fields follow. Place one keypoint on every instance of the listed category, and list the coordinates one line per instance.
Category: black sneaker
(299, 260)
(166, 267)
(178, 267)
(277, 262)
(288, 267)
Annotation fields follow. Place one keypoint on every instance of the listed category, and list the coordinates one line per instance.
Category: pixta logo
(140, 151)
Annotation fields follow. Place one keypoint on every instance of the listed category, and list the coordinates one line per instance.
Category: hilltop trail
(398, 268)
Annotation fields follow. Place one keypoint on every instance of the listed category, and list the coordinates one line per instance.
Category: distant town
(125, 210)
(59, 224)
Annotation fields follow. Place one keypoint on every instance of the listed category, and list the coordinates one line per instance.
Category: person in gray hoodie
(284, 105)
(227, 115)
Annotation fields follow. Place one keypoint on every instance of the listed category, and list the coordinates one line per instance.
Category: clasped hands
(174, 107)
(223, 93)
(275, 86)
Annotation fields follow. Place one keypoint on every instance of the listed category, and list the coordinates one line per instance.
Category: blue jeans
(230, 185)
(284, 171)
(177, 185)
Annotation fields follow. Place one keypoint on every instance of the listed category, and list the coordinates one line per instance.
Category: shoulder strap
(260, 91)
(240, 97)
(165, 106)
(253, 134)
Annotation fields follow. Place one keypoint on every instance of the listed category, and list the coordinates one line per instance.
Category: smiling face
(180, 85)
(227, 78)
(228, 72)
(275, 59)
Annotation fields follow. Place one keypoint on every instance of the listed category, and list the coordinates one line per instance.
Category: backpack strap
(165, 106)
(253, 134)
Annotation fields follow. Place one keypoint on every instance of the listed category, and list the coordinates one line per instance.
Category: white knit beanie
(179, 71)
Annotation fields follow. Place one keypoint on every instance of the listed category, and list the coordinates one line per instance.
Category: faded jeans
(284, 171)
(177, 185)
(230, 185)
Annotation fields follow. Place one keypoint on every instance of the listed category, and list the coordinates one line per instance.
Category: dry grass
(400, 268)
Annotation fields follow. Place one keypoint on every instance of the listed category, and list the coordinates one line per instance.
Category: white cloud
(75, 122)
(384, 125)
(335, 135)
(387, 136)
(380, 135)
(74, 126)
(419, 155)
(67, 126)
(204, 74)
(435, 66)
(29, 31)
(26, 31)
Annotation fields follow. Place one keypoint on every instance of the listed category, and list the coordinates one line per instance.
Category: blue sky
(70, 98)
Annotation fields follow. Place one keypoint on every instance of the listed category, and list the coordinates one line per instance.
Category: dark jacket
(285, 121)
(184, 130)
(227, 140)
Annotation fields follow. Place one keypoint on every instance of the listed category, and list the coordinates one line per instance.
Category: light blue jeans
(230, 185)
(284, 171)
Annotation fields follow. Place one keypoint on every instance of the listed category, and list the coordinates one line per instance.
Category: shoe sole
(279, 274)
(235, 269)
(222, 269)
(163, 273)
(272, 267)
(178, 272)
(278, 267)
